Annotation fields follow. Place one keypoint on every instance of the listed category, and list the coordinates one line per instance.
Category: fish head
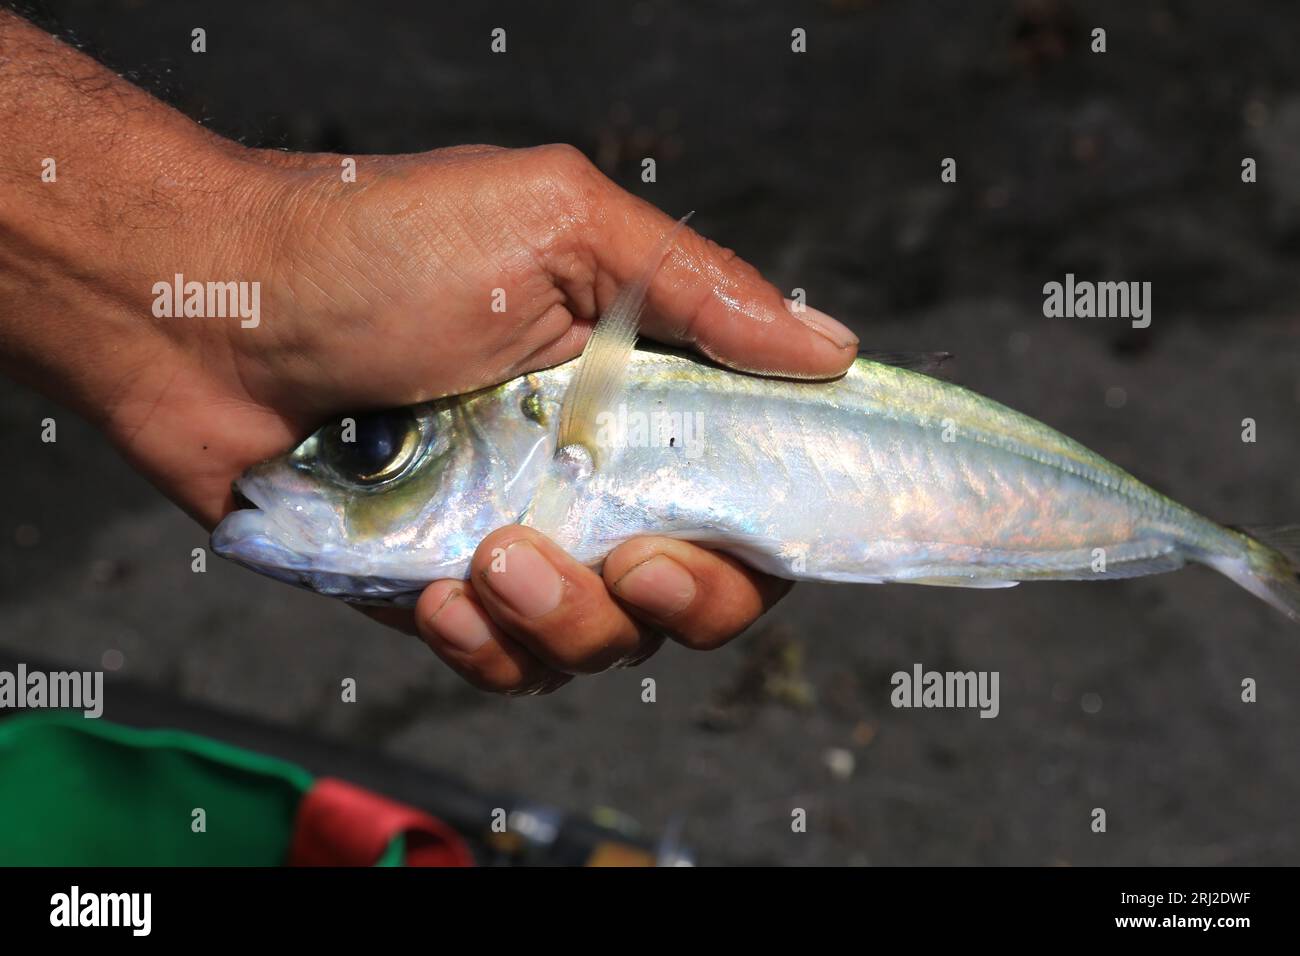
(373, 506)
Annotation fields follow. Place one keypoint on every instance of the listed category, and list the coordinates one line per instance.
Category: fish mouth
(250, 536)
(246, 537)
(242, 501)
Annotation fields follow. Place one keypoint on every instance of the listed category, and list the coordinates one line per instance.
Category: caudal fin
(1270, 567)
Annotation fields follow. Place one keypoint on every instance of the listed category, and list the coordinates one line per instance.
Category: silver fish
(883, 475)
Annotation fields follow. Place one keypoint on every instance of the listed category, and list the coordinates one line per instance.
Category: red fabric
(340, 824)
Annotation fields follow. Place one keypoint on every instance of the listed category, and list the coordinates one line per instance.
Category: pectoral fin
(594, 389)
(599, 377)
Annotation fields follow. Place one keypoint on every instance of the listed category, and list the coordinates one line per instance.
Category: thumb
(707, 297)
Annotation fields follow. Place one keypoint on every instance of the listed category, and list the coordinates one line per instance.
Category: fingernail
(460, 624)
(659, 586)
(833, 329)
(527, 583)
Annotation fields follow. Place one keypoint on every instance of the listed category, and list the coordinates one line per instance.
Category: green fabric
(78, 792)
(395, 855)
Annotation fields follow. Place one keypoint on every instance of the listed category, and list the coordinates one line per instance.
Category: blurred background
(823, 170)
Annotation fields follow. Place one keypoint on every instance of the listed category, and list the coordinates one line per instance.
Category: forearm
(104, 191)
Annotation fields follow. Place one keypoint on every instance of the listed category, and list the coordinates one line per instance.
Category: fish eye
(371, 448)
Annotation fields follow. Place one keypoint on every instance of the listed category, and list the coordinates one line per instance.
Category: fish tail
(1267, 565)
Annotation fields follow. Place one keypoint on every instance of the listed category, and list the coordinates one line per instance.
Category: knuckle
(739, 599)
(562, 160)
(539, 687)
(585, 657)
(465, 151)
(489, 686)
(501, 675)
(707, 637)
(639, 655)
(582, 649)
(562, 178)
(492, 680)
(711, 629)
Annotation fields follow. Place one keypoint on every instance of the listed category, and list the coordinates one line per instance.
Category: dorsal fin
(927, 363)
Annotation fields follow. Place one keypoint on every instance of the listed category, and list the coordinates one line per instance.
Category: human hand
(379, 292)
